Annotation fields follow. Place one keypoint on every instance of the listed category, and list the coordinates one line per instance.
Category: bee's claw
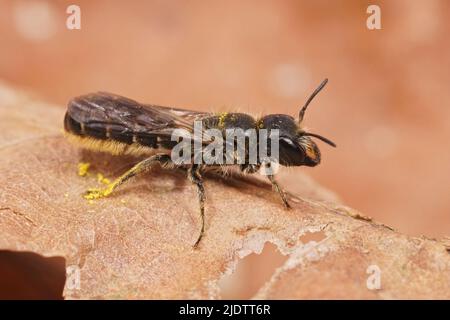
(286, 205)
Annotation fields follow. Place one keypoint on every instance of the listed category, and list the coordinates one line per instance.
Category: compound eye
(290, 153)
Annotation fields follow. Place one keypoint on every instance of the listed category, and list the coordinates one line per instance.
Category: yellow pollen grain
(83, 168)
(259, 124)
(101, 179)
(222, 118)
(95, 193)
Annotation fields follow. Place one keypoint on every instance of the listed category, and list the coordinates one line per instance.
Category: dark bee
(118, 125)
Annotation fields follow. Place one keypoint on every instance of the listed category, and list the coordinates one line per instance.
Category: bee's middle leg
(195, 177)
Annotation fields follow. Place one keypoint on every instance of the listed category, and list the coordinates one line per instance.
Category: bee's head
(296, 148)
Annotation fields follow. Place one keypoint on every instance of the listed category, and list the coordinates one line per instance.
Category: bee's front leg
(276, 186)
(278, 189)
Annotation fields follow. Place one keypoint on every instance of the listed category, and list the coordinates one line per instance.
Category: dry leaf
(138, 243)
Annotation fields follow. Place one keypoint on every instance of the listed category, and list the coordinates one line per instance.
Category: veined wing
(126, 116)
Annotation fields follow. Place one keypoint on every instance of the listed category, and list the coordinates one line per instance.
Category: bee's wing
(131, 116)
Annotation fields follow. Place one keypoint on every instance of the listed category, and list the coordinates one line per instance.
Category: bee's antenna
(318, 136)
(302, 111)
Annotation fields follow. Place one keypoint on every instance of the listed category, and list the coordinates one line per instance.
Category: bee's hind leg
(195, 177)
(140, 167)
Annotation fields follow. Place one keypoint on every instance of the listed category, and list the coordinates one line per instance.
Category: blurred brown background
(386, 105)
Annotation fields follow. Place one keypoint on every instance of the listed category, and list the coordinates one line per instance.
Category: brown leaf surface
(138, 243)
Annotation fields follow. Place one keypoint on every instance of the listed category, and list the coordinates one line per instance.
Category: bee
(120, 126)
